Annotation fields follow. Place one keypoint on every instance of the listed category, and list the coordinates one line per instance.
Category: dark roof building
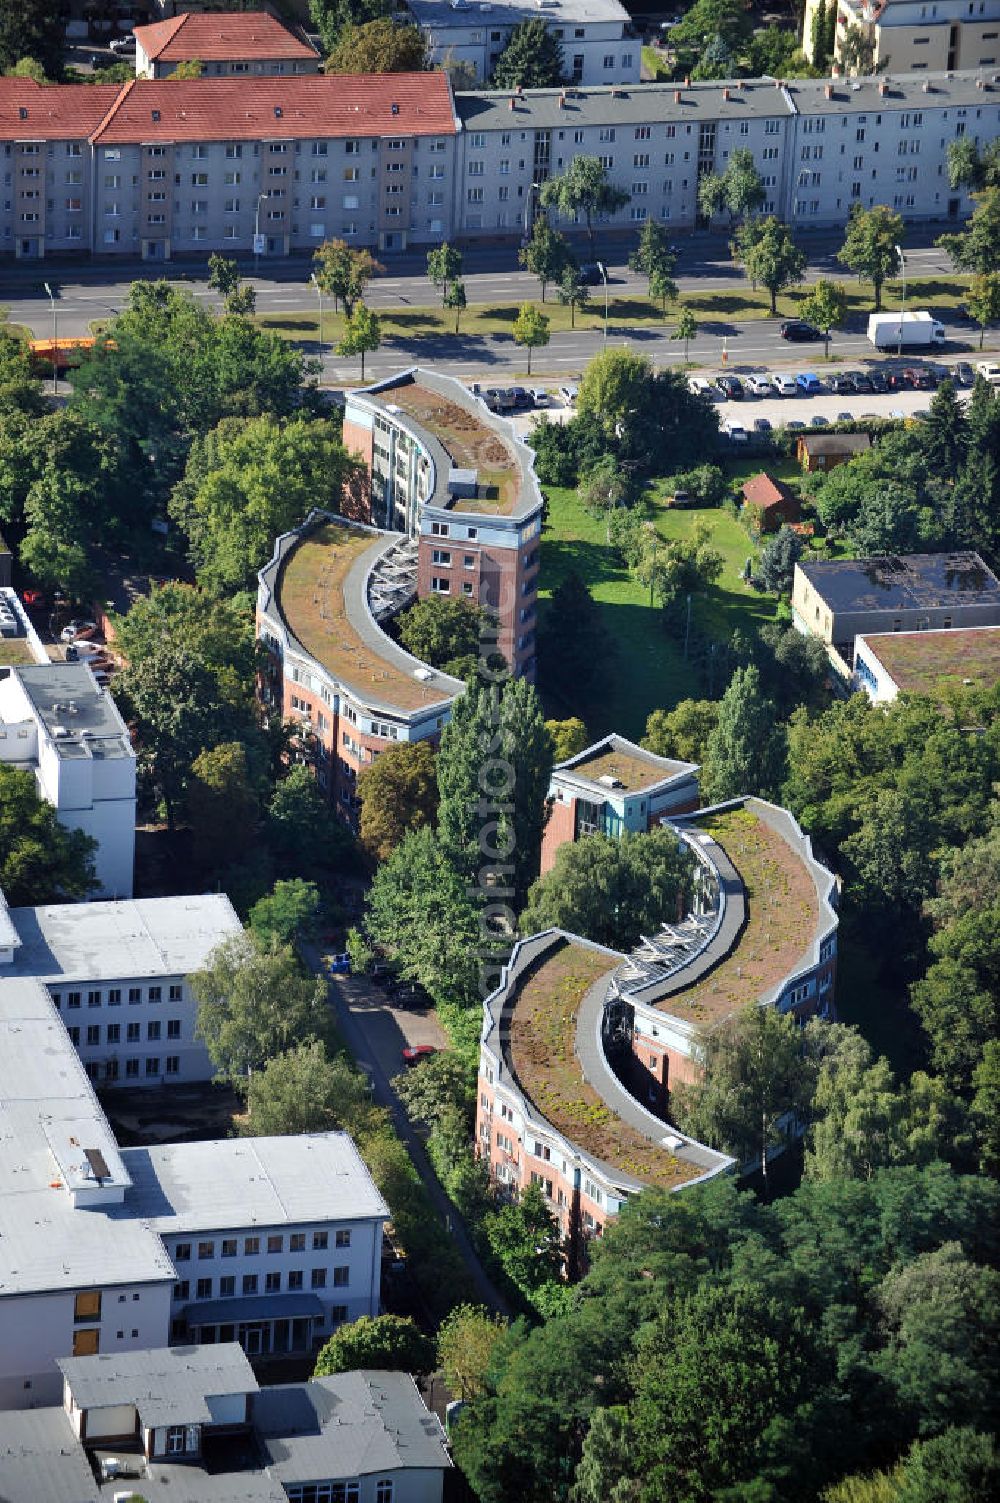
(843, 599)
(825, 451)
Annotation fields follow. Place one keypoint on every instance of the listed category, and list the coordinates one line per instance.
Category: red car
(35, 600)
(413, 1055)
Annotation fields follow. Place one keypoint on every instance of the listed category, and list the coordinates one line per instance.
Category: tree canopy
(869, 248)
(41, 861)
(378, 46)
(398, 793)
(393, 1343)
(583, 188)
(532, 58)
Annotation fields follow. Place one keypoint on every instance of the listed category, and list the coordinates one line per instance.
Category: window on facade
(251, 1247)
(87, 1305)
(204, 1289)
(249, 1283)
(206, 1250)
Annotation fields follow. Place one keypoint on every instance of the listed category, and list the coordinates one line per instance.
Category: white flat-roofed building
(59, 724)
(276, 1241)
(915, 35)
(117, 973)
(593, 34)
(71, 1279)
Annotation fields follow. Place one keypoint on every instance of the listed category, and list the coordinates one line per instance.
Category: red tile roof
(762, 490)
(250, 109)
(54, 112)
(220, 36)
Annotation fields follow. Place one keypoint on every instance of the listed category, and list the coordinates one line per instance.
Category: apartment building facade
(914, 36)
(457, 480)
(91, 1236)
(227, 44)
(581, 1045)
(350, 690)
(594, 35)
(57, 723)
(118, 975)
(161, 168)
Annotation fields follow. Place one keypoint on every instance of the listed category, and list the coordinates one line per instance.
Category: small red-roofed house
(225, 43)
(772, 503)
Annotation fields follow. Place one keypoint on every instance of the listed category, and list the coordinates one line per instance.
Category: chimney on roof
(687, 81)
(677, 96)
(779, 83)
(926, 85)
(725, 93)
(828, 90)
(980, 84)
(562, 99)
(512, 103)
(883, 87)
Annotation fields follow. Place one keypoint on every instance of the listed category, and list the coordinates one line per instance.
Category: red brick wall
(356, 499)
(560, 827)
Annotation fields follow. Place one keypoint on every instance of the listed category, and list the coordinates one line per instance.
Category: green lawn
(646, 670)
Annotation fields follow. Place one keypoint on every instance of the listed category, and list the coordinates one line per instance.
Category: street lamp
(604, 278)
(55, 339)
(902, 310)
(319, 290)
(256, 232)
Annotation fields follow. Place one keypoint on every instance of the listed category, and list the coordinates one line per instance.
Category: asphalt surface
(375, 1032)
(88, 291)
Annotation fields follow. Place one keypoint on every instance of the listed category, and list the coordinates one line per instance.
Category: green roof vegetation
(543, 1056)
(632, 771)
(471, 445)
(15, 652)
(782, 915)
(935, 662)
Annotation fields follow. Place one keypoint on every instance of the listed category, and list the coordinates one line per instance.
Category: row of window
(95, 996)
(250, 1283)
(274, 1243)
(171, 1065)
(338, 1492)
(133, 1033)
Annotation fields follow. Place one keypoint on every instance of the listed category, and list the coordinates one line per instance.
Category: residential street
(375, 1033)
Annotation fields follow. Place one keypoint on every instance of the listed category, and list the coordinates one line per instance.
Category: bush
(706, 483)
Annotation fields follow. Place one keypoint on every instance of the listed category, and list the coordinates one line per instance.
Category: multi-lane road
(93, 291)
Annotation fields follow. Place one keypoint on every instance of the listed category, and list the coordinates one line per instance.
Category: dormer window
(156, 117)
(277, 112)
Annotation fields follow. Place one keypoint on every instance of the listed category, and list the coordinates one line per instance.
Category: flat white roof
(49, 1118)
(244, 1182)
(105, 941)
(466, 13)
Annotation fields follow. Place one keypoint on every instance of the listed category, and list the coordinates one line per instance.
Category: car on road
(731, 387)
(799, 331)
(808, 382)
(819, 421)
(784, 385)
(842, 384)
(859, 380)
(569, 394)
(414, 1053)
(762, 425)
(78, 631)
(593, 273)
(759, 386)
(339, 964)
(963, 373)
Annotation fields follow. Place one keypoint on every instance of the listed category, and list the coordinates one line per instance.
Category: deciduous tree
(287, 913)
(362, 335)
(466, 1341)
(568, 737)
(826, 307)
(440, 631)
(343, 272)
(253, 1003)
(977, 247)
(547, 254)
(379, 46)
(444, 266)
(398, 793)
(41, 861)
(769, 256)
(745, 752)
(984, 301)
(739, 191)
(686, 328)
(455, 298)
(394, 1343)
(223, 806)
(33, 29)
(304, 1090)
(682, 732)
(584, 189)
(869, 248)
(530, 329)
(572, 293)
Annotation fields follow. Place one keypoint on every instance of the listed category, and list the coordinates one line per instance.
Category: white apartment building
(916, 36)
(593, 34)
(819, 146)
(117, 974)
(96, 1242)
(57, 723)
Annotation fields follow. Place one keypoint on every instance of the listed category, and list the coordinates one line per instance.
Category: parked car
(896, 381)
(841, 384)
(799, 331)
(989, 370)
(83, 649)
(736, 433)
(34, 600)
(878, 380)
(785, 385)
(539, 396)
(592, 273)
(762, 425)
(569, 394)
(414, 997)
(859, 380)
(702, 387)
(922, 379)
(795, 426)
(339, 964)
(731, 387)
(963, 373)
(77, 631)
(819, 421)
(682, 498)
(123, 44)
(808, 382)
(759, 386)
(845, 417)
(518, 397)
(416, 1052)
